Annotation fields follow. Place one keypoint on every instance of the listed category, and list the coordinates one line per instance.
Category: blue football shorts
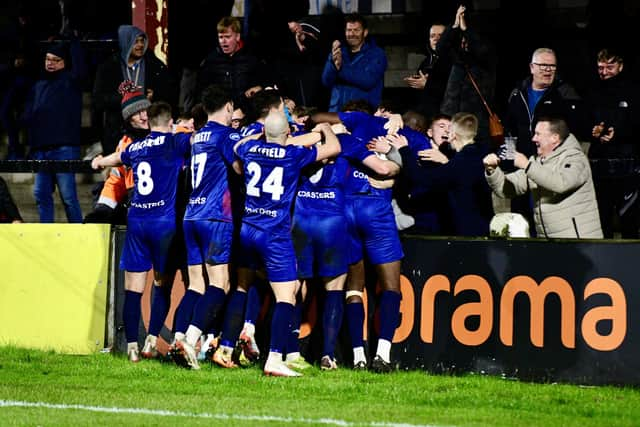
(208, 241)
(372, 228)
(147, 244)
(320, 242)
(274, 250)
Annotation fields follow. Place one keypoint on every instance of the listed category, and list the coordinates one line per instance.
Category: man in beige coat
(559, 177)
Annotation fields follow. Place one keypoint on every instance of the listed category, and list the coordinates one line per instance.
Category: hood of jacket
(569, 144)
(127, 35)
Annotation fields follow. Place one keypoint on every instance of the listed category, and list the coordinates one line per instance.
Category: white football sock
(192, 335)
(384, 350)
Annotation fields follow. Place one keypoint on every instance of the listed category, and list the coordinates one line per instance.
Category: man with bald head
(271, 171)
(276, 128)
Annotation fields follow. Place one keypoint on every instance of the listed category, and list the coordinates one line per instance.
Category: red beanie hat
(133, 100)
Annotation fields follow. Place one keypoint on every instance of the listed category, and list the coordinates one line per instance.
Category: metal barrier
(32, 166)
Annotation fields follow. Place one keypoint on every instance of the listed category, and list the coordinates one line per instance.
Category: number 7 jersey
(211, 159)
(271, 176)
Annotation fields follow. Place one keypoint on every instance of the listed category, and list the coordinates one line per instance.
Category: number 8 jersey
(156, 162)
(271, 176)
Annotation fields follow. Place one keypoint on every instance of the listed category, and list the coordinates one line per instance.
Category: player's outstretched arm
(325, 117)
(305, 140)
(246, 139)
(112, 159)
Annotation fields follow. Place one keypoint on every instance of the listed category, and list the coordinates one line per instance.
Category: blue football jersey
(211, 159)
(156, 162)
(322, 187)
(271, 175)
(362, 125)
(366, 127)
(252, 129)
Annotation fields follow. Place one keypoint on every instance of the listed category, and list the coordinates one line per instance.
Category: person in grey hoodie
(135, 62)
(559, 177)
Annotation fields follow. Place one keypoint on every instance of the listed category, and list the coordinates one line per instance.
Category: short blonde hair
(465, 127)
(229, 22)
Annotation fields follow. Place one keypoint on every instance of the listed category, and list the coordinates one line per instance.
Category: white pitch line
(226, 417)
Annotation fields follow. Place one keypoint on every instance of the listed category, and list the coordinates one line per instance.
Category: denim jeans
(45, 183)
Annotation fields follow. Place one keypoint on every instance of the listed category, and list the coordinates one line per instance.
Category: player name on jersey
(148, 142)
(202, 137)
(273, 152)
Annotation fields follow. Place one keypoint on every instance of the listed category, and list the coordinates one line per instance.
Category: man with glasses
(52, 115)
(543, 93)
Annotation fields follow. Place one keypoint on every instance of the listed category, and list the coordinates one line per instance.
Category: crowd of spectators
(317, 68)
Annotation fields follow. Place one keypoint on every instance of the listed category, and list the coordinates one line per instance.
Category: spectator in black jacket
(430, 79)
(462, 176)
(134, 62)
(469, 54)
(541, 94)
(231, 65)
(612, 104)
(52, 116)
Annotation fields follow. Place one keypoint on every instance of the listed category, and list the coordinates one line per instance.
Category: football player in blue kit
(245, 300)
(156, 162)
(372, 228)
(263, 103)
(320, 237)
(271, 171)
(208, 225)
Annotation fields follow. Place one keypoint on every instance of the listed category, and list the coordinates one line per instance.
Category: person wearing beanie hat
(52, 117)
(133, 100)
(152, 217)
(57, 54)
(111, 206)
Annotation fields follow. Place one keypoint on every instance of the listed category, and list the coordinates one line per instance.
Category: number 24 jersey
(271, 176)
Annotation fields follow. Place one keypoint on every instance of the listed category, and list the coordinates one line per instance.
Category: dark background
(516, 28)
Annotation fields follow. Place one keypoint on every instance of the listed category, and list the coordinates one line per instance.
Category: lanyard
(137, 68)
